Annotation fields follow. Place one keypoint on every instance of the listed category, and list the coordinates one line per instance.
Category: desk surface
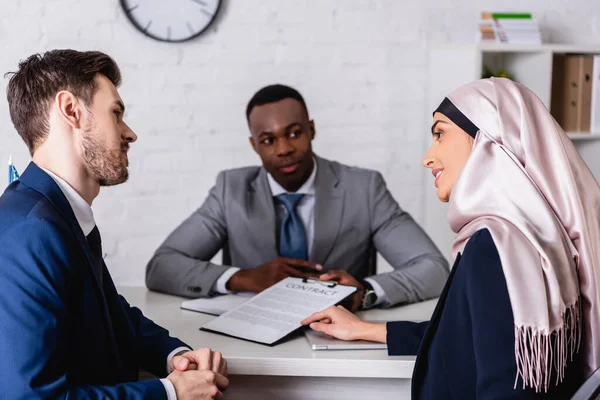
(291, 358)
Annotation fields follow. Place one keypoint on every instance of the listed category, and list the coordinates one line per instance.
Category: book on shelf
(505, 15)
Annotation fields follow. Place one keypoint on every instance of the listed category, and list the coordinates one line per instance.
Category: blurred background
(361, 65)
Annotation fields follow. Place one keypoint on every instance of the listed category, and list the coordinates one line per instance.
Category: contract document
(276, 312)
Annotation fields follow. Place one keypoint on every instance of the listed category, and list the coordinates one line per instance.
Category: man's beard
(103, 165)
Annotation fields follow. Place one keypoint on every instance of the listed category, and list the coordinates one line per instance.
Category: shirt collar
(82, 210)
(307, 188)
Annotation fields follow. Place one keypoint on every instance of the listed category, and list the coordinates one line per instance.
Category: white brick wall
(361, 66)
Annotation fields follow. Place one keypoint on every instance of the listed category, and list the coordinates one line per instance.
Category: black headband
(450, 111)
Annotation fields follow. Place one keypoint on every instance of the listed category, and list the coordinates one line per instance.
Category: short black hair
(272, 94)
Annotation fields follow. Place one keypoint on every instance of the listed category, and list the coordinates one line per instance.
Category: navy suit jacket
(62, 334)
(467, 350)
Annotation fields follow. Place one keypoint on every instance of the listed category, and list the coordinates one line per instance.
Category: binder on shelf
(585, 79)
(571, 102)
(595, 108)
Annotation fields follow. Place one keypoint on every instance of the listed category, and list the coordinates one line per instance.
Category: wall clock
(171, 20)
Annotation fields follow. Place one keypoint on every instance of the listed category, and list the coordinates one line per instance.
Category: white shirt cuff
(172, 354)
(221, 285)
(169, 388)
(381, 297)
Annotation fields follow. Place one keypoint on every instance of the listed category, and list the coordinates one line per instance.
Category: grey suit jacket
(354, 213)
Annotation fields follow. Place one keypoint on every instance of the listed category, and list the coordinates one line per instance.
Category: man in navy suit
(64, 331)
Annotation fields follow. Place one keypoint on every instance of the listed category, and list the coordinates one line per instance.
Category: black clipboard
(325, 284)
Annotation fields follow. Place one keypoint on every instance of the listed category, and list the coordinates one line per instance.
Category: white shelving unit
(537, 48)
(583, 136)
(453, 65)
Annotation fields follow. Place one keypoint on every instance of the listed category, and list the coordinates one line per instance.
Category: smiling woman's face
(448, 154)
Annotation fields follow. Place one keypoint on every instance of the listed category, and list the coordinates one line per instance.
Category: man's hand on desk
(344, 278)
(340, 323)
(264, 276)
(203, 385)
(199, 374)
(200, 359)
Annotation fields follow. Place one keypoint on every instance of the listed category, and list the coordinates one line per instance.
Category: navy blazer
(62, 334)
(467, 350)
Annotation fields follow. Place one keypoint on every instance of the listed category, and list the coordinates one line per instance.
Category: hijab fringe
(541, 355)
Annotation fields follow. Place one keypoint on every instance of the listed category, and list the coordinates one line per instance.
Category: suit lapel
(261, 214)
(35, 178)
(329, 209)
(421, 364)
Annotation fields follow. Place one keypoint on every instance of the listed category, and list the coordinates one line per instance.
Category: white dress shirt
(85, 218)
(306, 212)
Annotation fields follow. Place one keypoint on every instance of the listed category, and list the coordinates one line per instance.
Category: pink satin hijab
(527, 184)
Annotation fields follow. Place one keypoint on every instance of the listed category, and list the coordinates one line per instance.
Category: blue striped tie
(292, 241)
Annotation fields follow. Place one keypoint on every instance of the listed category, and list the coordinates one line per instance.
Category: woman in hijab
(519, 317)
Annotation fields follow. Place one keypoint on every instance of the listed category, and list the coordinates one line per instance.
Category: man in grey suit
(297, 215)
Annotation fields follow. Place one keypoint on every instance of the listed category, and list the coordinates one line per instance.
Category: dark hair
(31, 89)
(272, 94)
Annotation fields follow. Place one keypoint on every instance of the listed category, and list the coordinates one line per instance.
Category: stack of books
(512, 28)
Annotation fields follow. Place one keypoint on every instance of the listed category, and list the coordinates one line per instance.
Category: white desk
(291, 370)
